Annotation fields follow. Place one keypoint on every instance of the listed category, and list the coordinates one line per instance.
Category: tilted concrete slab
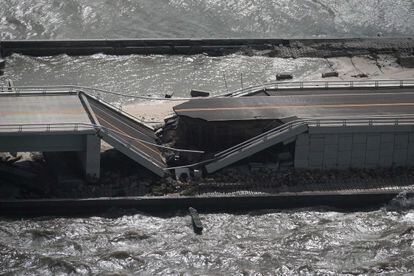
(255, 146)
(131, 137)
(135, 154)
(70, 121)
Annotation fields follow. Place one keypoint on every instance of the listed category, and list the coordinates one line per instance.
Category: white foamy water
(156, 76)
(268, 242)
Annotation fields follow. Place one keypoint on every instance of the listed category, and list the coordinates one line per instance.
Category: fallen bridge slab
(128, 135)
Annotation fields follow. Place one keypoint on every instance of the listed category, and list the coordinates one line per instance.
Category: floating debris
(195, 218)
(330, 74)
(284, 76)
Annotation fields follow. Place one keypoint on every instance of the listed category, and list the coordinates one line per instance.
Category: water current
(50, 19)
(307, 241)
(314, 241)
(156, 75)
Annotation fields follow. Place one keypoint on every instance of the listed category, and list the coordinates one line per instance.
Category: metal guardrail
(261, 137)
(41, 90)
(49, 127)
(97, 92)
(127, 141)
(319, 122)
(354, 84)
(71, 89)
(349, 122)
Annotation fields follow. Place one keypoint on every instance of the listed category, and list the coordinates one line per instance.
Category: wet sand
(152, 111)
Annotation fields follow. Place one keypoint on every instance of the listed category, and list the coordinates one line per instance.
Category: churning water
(258, 243)
(313, 241)
(157, 75)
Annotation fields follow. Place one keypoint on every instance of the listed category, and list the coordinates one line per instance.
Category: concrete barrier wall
(375, 147)
(74, 207)
(189, 46)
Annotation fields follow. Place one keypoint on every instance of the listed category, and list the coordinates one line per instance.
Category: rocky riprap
(28, 177)
(291, 180)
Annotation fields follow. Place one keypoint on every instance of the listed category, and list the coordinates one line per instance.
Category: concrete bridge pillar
(91, 158)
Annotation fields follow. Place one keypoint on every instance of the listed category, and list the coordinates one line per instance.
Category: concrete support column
(91, 158)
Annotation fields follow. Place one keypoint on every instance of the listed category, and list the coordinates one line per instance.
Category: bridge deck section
(42, 113)
(301, 106)
(69, 121)
(129, 136)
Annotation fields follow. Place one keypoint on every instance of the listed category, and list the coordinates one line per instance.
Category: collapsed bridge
(321, 125)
